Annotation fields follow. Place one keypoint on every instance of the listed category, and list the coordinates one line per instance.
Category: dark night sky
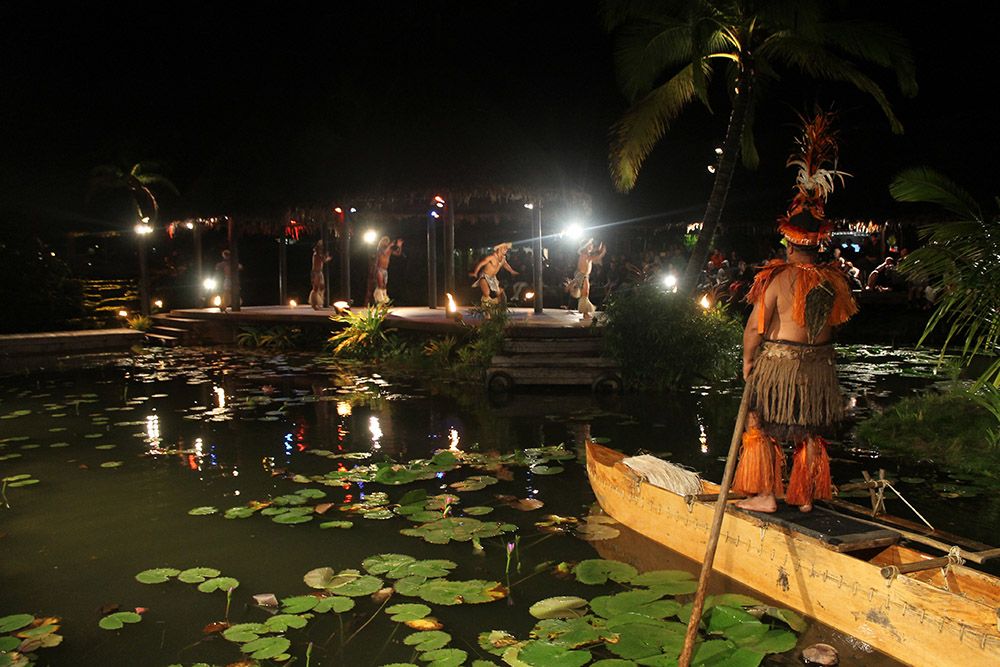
(272, 104)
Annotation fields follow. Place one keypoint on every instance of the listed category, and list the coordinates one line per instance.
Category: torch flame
(452, 308)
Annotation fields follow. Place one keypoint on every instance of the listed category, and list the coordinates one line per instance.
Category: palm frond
(923, 184)
(813, 59)
(646, 50)
(875, 43)
(635, 135)
(161, 181)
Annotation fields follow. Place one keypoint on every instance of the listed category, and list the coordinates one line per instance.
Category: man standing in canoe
(788, 355)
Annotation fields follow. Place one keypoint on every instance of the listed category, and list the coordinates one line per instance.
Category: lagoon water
(124, 450)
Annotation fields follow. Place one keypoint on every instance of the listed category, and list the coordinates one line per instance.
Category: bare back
(779, 303)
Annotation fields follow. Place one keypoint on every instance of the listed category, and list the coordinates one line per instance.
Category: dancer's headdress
(805, 224)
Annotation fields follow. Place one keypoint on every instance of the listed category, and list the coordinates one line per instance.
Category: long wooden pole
(713, 538)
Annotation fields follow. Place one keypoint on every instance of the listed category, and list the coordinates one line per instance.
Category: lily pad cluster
(644, 624)
(21, 635)
(208, 579)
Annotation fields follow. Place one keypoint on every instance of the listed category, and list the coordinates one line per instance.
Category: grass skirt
(794, 390)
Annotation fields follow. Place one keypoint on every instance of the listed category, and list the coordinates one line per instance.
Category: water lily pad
(196, 575)
(112, 464)
(266, 647)
(639, 641)
(550, 655)
(104, 447)
(118, 620)
(203, 511)
(459, 529)
(15, 622)
(724, 616)
(477, 510)
(334, 603)
(292, 518)
(646, 602)
(282, 622)
(383, 563)
(218, 584)
(241, 512)
(156, 575)
(445, 657)
(336, 524)
(474, 483)
(793, 620)
(562, 606)
(244, 632)
(597, 571)
(407, 612)
(311, 493)
(429, 640)
(662, 577)
(379, 514)
(545, 470)
(474, 591)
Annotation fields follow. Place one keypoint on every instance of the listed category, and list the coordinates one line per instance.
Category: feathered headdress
(816, 158)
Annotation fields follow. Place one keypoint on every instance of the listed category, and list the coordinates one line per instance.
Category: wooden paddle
(713, 538)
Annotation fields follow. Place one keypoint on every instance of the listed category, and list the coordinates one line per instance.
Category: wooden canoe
(933, 617)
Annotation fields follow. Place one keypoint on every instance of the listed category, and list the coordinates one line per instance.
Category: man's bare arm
(508, 267)
(751, 338)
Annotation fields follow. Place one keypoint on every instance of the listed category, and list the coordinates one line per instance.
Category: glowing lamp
(354, 210)
(122, 313)
(574, 231)
(529, 295)
(435, 215)
(143, 228)
(343, 408)
(670, 281)
(711, 168)
(189, 225)
(529, 206)
(718, 151)
(217, 301)
(341, 306)
(338, 210)
(209, 284)
(292, 303)
(158, 303)
(370, 236)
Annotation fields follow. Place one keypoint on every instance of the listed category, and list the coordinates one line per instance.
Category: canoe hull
(907, 618)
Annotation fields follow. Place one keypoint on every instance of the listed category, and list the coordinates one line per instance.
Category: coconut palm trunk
(720, 186)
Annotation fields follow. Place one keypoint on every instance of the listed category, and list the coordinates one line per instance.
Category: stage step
(162, 340)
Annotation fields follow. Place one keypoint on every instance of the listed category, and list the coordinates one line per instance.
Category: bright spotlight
(370, 236)
(158, 303)
(209, 284)
(670, 282)
(529, 206)
(573, 231)
(529, 295)
(711, 168)
(718, 150)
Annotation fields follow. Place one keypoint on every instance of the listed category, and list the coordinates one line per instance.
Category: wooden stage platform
(549, 322)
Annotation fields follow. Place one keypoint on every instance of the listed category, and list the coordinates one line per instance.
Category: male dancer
(579, 287)
(486, 274)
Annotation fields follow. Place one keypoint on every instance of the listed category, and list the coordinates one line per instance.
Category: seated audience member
(882, 277)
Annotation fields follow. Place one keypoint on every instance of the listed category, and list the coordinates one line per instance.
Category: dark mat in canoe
(836, 530)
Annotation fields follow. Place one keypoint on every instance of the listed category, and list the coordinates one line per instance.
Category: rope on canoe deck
(881, 492)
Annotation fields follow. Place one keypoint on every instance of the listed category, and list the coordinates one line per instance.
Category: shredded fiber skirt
(794, 390)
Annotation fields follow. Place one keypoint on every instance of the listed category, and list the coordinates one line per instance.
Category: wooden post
(431, 260)
(345, 256)
(143, 277)
(234, 266)
(449, 247)
(199, 271)
(539, 283)
(713, 538)
(282, 270)
(325, 235)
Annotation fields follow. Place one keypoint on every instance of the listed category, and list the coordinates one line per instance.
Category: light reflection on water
(225, 428)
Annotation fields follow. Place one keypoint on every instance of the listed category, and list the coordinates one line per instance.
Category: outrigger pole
(713, 538)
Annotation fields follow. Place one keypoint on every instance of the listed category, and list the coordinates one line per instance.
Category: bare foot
(806, 508)
(765, 503)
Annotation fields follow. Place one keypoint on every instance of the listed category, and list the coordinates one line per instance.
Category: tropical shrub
(959, 262)
(487, 338)
(954, 428)
(139, 322)
(270, 338)
(363, 334)
(37, 289)
(667, 341)
(440, 350)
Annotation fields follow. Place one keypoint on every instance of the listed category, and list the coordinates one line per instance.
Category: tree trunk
(720, 188)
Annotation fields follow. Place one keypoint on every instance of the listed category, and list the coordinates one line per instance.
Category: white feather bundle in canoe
(665, 475)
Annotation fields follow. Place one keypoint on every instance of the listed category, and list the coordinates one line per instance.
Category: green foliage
(952, 428)
(960, 263)
(270, 338)
(139, 322)
(440, 350)
(487, 338)
(363, 334)
(666, 341)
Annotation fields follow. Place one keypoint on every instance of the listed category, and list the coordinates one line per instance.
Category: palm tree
(138, 180)
(960, 262)
(668, 52)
